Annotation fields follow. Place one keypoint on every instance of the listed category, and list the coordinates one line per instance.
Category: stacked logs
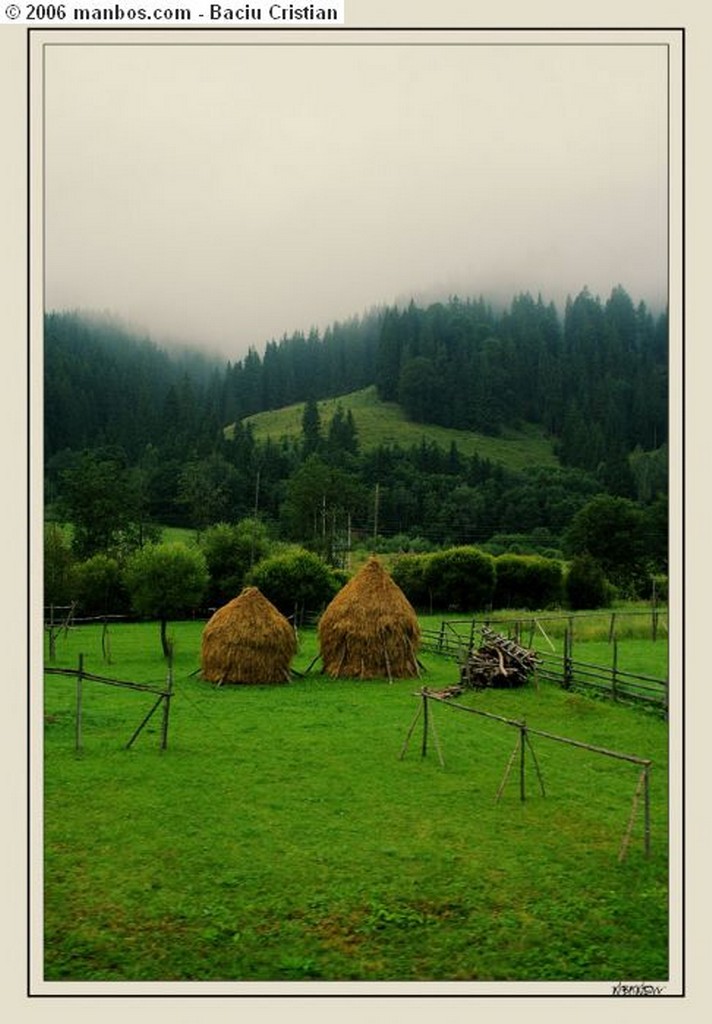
(498, 662)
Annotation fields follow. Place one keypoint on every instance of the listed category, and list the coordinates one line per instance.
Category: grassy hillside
(385, 423)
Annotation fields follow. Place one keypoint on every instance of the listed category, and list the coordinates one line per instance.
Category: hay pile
(370, 631)
(247, 641)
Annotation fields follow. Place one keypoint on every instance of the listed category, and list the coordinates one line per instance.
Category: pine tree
(311, 428)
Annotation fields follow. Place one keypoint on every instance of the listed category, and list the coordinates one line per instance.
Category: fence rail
(163, 698)
(456, 638)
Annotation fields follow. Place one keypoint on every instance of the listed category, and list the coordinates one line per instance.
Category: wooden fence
(519, 753)
(163, 698)
(455, 638)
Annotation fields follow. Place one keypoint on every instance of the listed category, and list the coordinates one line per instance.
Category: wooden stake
(568, 667)
(410, 731)
(522, 752)
(312, 663)
(78, 720)
(507, 770)
(145, 720)
(646, 809)
(424, 748)
(437, 741)
(52, 635)
(631, 820)
(536, 763)
(105, 642)
(167, 703)
(545, 635)
(388, 664)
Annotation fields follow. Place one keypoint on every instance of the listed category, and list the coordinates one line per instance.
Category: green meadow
(385, 423)
(290, 833)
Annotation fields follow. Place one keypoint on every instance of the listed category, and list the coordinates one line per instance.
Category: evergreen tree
(311, 428)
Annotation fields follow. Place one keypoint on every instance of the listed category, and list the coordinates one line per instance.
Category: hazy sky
(230, 194)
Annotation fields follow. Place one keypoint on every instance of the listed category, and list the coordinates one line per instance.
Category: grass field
(380, 422)
(281, 837)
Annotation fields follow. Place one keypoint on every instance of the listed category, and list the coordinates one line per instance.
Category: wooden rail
(612, 681)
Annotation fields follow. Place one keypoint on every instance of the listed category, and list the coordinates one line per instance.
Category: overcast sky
(226, 195)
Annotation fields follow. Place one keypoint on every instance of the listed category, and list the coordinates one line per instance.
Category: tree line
(135, 434)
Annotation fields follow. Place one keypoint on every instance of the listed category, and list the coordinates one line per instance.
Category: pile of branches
(498, 662)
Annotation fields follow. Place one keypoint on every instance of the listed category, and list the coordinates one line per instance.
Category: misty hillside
(594, 380)
(468, 424)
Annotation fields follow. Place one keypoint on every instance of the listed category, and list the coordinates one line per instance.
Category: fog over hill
(194, 190)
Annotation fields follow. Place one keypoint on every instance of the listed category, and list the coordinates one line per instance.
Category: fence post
(105, 642)
(167, 701)
(78, 719)
(568, 667)
(614, 670)
(52, 636)
(424, 748)
(522, 745)
(612, 627)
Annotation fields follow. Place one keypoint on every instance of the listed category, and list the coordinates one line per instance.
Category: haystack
(247, 641)
(370, 631)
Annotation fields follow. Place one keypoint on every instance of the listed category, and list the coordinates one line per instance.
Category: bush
(612, 531)
(58, 566)
(586, 585)
(295, 582)
(98, 588)
(527, 581)
(401, 543)
(230, 550)
(460, 579)
(166, 581)
(409, 573)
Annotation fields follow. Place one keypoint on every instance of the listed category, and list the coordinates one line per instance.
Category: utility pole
(375, 510)
(348, 542)
(254, 518)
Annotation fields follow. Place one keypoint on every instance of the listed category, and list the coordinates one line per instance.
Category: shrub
(98, 587)
(527, 581)
(461, 579)
(166, 581)
(586, 585)
(58, 566)
(612, 531)
(295, 582)
(661, 588)
(409, 572)
(401, 543)
(230, 550)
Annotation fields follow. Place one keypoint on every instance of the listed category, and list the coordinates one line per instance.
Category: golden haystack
(247, 641)
(370, 631)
